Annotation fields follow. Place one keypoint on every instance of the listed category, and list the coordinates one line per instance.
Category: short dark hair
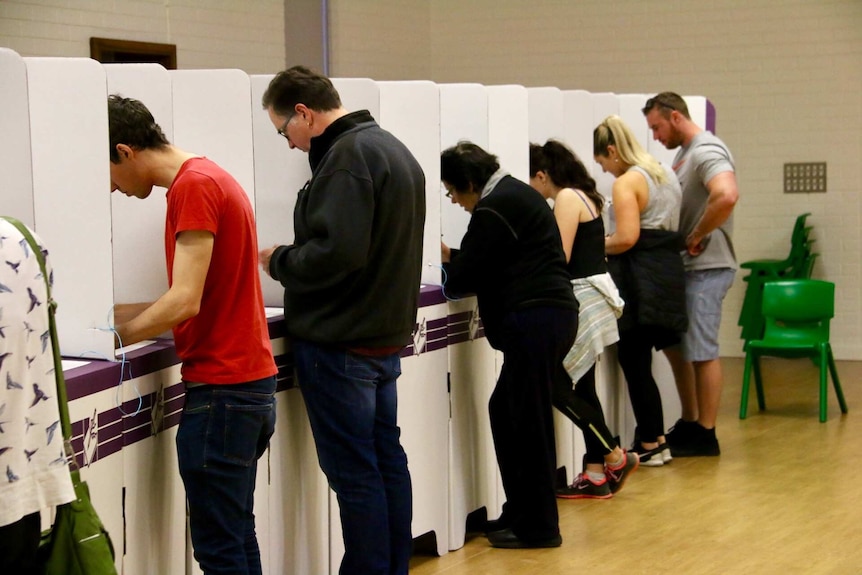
(466, 163)
(564, 168)
(132, 124)
(667, 102)
(300, 85)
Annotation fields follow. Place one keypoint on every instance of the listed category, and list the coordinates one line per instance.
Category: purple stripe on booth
(710, 117)
(431, 295)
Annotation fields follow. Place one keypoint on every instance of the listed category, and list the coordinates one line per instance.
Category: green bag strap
(62, 397)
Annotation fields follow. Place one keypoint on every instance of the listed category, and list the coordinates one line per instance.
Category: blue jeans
(352, 407)
(224, 429)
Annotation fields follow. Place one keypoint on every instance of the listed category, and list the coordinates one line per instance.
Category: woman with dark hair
(557, 174)
(645, 262)
(512, 259)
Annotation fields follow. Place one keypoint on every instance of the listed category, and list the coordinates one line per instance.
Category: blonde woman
(644, 260)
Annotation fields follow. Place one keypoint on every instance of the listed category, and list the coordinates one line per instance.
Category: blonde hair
(614, 132)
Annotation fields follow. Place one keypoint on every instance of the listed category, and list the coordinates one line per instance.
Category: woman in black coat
(512, 258)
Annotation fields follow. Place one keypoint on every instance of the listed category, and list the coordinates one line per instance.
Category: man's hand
(264, 256)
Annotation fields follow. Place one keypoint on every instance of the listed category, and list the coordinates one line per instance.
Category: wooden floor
(785, 497)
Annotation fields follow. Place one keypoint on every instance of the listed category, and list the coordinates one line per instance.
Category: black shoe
(502, 522)
(682, 432)
(702, 443)
(506, 539)
(655, 457)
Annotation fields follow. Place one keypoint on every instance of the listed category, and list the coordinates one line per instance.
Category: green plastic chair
(796, 315)
(799, 263)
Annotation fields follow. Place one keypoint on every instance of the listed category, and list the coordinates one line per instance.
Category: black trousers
(18, 544)
(534, 342)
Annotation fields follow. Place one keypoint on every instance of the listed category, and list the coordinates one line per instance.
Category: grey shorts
(704, 292)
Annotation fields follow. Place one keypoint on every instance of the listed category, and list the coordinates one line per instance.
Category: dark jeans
(534, 342)
(352, 406)
(223, 431)
(583, 407)
(18, 544)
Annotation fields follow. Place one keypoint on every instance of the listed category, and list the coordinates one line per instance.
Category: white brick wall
(247, 34)
(381, 39)
(785, 77)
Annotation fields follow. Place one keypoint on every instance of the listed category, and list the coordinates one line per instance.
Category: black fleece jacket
(511, 256)
(351, 277)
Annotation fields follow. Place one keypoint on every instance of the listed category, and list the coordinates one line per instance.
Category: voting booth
(109, 249)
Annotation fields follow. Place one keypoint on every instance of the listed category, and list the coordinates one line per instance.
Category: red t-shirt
(228, 341)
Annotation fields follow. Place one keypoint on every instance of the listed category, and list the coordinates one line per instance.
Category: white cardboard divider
(508, 139)
(16, 185)
(410, 110)
(71, 192)
(545, 108)
(509, 129)
(578, 125)
(463, 116)
(473, 475)
(212, 118)
(138, 226)
(279, 174)
(630, 112)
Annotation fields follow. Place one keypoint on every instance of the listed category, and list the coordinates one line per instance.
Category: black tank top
(588, 250)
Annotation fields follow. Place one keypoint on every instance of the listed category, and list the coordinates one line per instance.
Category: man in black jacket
(351, 282)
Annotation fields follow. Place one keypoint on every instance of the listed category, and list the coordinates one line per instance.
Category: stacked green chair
(797, 315)
(797, 265)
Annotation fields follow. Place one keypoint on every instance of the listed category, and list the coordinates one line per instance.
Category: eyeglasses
(283, 130)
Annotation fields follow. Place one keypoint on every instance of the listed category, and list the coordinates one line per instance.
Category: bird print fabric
(31, 444)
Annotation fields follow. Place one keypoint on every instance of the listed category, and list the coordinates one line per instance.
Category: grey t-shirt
(696, 164)
(663, 205)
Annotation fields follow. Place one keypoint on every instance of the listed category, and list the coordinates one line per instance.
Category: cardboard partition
(410, 110)
(463, 116)
(138, 227)
(71, 193)
(509, 128)
(16, 186)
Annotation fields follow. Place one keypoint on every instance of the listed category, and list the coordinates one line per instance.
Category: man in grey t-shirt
(706, 172)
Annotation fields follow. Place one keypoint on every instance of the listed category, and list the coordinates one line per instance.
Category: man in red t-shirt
(214, 306)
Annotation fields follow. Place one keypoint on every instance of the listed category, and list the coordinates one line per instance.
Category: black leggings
(583, 407)
(634, 351)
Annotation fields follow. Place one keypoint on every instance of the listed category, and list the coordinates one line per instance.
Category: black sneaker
(616, 476)
(681, 432)
(586, 488)
(702, 443)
